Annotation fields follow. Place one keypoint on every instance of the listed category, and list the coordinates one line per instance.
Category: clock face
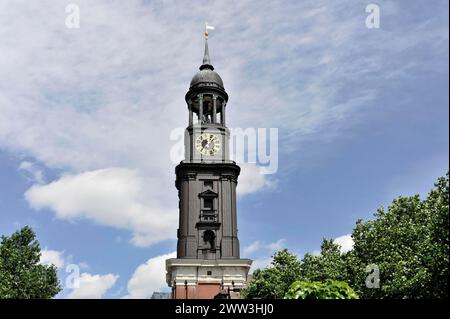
(207, 144)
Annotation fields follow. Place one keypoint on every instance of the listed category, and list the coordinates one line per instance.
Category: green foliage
(409, 242)
(21, 275)
(330, 264)
(273, 281)
(330, 289)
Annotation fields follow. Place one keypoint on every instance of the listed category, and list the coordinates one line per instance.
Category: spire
(206, 60)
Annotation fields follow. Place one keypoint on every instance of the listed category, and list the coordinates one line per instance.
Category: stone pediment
(208, 193)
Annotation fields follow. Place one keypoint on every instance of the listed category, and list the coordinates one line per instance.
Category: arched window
(209, 237)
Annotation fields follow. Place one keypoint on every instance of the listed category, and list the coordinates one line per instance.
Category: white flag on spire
(208, 27)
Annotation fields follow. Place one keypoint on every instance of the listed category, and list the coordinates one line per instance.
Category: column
(174, 293)
(200, 108)
(190, 113)
(222, 113)
(214, 110)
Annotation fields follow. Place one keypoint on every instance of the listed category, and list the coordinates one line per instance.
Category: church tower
(208, 261)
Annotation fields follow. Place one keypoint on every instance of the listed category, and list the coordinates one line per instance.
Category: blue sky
(86, 116)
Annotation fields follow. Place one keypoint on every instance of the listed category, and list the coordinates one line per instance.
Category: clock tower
(208, 262)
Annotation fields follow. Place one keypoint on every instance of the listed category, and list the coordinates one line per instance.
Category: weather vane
(208, 27)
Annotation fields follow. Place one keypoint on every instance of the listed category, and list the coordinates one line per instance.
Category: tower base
(207, 279)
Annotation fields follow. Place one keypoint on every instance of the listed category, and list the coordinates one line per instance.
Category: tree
(408, 243)
(21, 275)
(330, 289)
(330, 264)
(273, 281)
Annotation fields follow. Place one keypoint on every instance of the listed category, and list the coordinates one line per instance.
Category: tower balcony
(208, 216)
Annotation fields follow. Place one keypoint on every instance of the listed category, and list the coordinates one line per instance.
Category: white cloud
(277, 245)
(345, 241)
(52, 257)
(33, 173)
(93, 286)
(77, 112)
(260, 263)
(113, 197)
(149, 277)
(83, 265)
(253, 247)
(251, 180)
(73, 109)
(262, 252)
(269, 248)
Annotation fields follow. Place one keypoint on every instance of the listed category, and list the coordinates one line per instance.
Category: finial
(206, 60)
(207, 27)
